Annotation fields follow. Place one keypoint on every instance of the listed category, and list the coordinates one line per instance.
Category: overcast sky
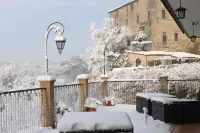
(23, 24)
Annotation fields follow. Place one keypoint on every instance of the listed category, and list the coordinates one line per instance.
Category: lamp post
(104, 68)
(59, 39)
(193, 37)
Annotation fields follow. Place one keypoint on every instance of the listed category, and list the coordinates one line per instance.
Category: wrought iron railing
(125, 90)
(69, 94)
(185, 88)
(94, 90)
(21, 111)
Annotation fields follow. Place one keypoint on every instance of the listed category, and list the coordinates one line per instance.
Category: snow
(166, 100)
(151, 95)
(76, 121)
(92, 103)
(152, 126)
(180, 71)
(46, 78)
(83, 76)
(104, 76)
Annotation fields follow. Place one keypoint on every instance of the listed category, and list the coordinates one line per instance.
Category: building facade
(153, 18)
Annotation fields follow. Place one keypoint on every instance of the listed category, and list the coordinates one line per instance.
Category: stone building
(152, 17)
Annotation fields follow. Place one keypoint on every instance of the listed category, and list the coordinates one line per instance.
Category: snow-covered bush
(183, 89)
(178, 71)
(92, 103)
(62, 108)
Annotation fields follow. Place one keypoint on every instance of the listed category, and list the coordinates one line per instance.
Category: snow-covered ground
(152, 126)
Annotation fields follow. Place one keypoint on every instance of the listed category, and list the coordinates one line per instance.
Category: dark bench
(176, 111)
(144, 100)
(95, 122)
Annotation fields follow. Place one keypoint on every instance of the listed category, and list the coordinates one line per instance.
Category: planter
(108, 103)
(91, 110)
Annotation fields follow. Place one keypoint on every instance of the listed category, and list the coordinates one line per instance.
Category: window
(117, 24)
(163, 14)
(149, 17)
(175, 36)
(138, 62)
(142, 28)
(126, 10)
(164, 40)
(126, 22)
(138, 19)
(116, 14)
(131, 6)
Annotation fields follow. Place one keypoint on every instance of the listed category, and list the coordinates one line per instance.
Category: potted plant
(109, 101)
(91, 104)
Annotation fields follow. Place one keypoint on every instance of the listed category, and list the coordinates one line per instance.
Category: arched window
(138, 62)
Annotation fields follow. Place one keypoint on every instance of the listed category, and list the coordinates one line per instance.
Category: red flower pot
(108, 103)
(91, 110)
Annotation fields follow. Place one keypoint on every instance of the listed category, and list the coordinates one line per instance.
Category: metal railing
(185, 88)
(69, 94)
(21, 111)
(94, 90)
(125, 90)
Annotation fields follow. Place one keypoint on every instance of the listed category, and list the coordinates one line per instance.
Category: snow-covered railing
(94, 90)
(125, 89)
(68, 94)
(185, 88)
(21, 111)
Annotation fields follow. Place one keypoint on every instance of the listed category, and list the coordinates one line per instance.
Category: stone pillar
(164, 83)
(47, 100)
(83, 79)
(104, 86)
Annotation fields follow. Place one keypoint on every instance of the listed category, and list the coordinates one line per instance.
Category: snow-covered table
(144, 100)
(94, 122)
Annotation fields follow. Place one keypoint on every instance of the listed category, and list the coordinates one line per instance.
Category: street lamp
(59, 39)
(181, 12)
(193, 37)
(104, 67)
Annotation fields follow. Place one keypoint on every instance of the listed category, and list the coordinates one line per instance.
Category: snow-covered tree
(20, 76)
(140, 43)
(112, 38)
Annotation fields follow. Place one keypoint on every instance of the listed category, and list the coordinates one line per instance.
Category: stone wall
(155, 26)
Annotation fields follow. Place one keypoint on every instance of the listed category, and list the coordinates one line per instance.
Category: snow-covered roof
(77, 121)
(165, 58)
(173, 54)
(167, 100)
(121, 6)
(150, 95)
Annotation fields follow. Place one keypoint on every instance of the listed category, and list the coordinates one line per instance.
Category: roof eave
(172, 13)
(121, 6)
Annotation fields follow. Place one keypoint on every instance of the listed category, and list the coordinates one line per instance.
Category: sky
(23, 24)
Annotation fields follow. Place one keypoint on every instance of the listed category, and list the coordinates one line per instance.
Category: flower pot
(91, 110)
(108, 103)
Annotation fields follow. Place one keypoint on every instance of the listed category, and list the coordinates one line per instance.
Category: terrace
(36, 108)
